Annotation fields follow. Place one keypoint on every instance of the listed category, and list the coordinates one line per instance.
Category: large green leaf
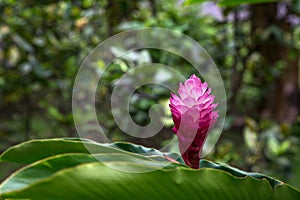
(97, 181)
(285, 191)
(139, 149)
(35, 150)
(43, 169)
(47, 167)
(238, 172)
(62, 169)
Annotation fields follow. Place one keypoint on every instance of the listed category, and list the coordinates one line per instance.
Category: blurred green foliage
(43, 44)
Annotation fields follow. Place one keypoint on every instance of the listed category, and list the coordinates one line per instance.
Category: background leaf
(229, 2)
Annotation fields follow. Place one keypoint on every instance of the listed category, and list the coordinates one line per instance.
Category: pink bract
(193, 116)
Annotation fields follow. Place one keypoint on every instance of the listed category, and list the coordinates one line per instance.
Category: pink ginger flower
(193, 116)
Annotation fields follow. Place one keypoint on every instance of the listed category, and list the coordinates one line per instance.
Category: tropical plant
(65, 169)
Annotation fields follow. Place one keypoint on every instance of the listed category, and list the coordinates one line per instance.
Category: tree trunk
(283, 100)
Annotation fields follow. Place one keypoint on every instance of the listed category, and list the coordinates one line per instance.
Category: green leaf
(189, 2)
(43, 169)
(34, 150)
(97, 181)
(47, 167)
(240, 2)
(250, 138)
(286, 192)
(237, 172)
(126, 146)
(62, 169)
